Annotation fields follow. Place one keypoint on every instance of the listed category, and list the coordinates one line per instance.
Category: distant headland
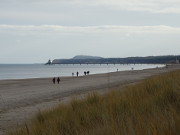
(85, 59)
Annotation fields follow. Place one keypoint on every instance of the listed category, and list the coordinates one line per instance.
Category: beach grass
(151, 107)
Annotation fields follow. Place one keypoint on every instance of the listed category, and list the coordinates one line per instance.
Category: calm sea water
(22, 71)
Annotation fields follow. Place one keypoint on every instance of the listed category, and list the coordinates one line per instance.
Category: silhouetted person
(84, 73)
(58, 80)
(77, 73)
(72, 73)
(87, 72)
(54, 80)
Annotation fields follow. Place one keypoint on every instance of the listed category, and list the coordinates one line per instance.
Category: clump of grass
(151, 107)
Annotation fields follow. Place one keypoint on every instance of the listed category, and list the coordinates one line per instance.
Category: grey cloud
(158, 6)
(92, 29)
(36, 30)
(84, 13)
(155, 6)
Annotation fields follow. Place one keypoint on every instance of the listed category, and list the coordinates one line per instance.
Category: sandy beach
(21, 99)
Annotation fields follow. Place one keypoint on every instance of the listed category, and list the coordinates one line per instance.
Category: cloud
(161, 29)
(30, 43)
(154, 6)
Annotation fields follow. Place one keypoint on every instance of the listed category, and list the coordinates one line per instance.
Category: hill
(81, 59)
(86, 57)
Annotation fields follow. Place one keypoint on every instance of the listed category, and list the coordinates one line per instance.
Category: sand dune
(20, 99)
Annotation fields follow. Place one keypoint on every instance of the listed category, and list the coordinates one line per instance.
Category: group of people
(54, 80)
(77, 73)
(86, 73)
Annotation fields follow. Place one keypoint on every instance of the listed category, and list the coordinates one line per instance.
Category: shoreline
(70, 77)
(21, 99)
(81, 72)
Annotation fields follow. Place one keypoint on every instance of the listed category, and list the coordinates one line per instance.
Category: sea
(25, 71)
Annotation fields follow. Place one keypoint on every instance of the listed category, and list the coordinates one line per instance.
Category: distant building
(49, 62)
(177, 61)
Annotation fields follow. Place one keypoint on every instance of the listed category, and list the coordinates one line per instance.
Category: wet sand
(21, 99)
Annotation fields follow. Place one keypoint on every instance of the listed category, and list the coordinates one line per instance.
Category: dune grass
(151, 107)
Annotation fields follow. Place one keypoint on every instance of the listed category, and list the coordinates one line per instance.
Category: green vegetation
(151, 107)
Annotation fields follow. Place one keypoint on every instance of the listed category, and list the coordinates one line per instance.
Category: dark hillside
(128, 60)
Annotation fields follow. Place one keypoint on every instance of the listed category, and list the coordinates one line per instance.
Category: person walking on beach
(58, 80)
(77, 74)
(87, 72)
(54, 80)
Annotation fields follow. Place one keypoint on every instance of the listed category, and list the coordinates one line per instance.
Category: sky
(34, 31)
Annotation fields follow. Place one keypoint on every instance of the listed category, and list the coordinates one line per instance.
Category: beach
(21, 99)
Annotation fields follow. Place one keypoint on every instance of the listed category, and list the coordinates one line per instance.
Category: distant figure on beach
(84, 73)
(117, 69)
(72, 73)
(87, 72)
(58, 80)
(77, 74)
(54, 80)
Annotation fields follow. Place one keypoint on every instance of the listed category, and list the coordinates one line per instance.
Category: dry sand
(21, 99)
